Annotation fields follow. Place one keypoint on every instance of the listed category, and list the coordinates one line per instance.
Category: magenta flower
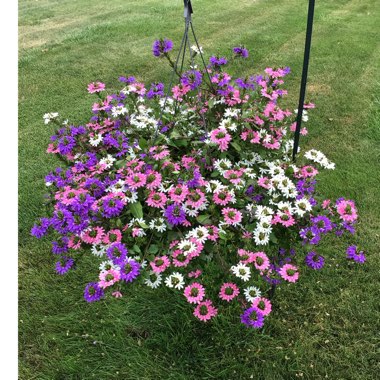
(229, 291)
(95, 87)
(194, 293)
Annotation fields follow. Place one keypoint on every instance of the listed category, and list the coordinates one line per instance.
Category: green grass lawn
(325, 326)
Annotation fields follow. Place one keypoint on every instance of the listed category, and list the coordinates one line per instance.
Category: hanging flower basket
(196, 191)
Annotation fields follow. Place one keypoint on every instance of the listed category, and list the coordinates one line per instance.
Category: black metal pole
(309, 30)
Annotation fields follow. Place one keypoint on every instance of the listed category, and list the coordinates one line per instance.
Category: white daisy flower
(50, 116)
(302, 206)
(130, 196)
(251, 293)
(96, 139)
(175, 280)
(118, 110)
(98, 250)
(107, 265)
(187, 246)
(260, 237)
(160, 225)
(222, 165)
(154, 280)
(214, 186)
(195, 49)
(199, 233)
(117, 187)
(264, 212)
(107, 161)
(241, 271)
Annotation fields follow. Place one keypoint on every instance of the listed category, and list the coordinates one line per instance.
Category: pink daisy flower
(179, 91)
(228, 291)
(194, 274)
(221, 137)
(261, 261)
(247, 235)
(222, 197)
(234, 176)
(136, 180)
(347, 210)
(196, 198)
(284, 218)
(178, 194)
(252, 136)
(93, 236)
(117, 294)
(180, 259)
(194, 293)
(213, 233)
(108, 278)
(205, 311)
(153, 180)
(159, 264)
(264, 182)
(289, 273)
(156, 199)
(159, 152)
(246, 257)
(308, 171)
(75, 242)
(95, 87)
(263, 304)
(326, 203)
(232, 216)
(112, 236)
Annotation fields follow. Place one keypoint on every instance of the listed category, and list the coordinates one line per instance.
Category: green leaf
(204, 219)
(153, 249)
(136, 249)
(143, 143)
(236, 146)
(181, 142)
(121, 163)
(273, 238)
(136, 209)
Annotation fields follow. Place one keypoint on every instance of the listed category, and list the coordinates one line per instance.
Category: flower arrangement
(196, 192)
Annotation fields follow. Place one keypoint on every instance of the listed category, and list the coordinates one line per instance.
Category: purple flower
(60, 245)
(117, 253)
(245, 83)
(156, 89)
(252, 317)
(64, 265)
(194, 182)
(310, 235)
(93, 292)
(240, 51)
(95, 187)
(40, 228)
(192, 78)
(175, 214)
(323, 223)
(112, 207)
(217, 62)
(128, 80)
(129, 270)
(66, 144)
(161, 47)
(353, 254)
(82, 202)
(314, 261)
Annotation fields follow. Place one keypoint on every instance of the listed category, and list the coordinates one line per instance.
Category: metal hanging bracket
(188, 10)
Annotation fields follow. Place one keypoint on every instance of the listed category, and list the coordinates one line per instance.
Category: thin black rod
(309, 31)
(171, 81)
(200, 53)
